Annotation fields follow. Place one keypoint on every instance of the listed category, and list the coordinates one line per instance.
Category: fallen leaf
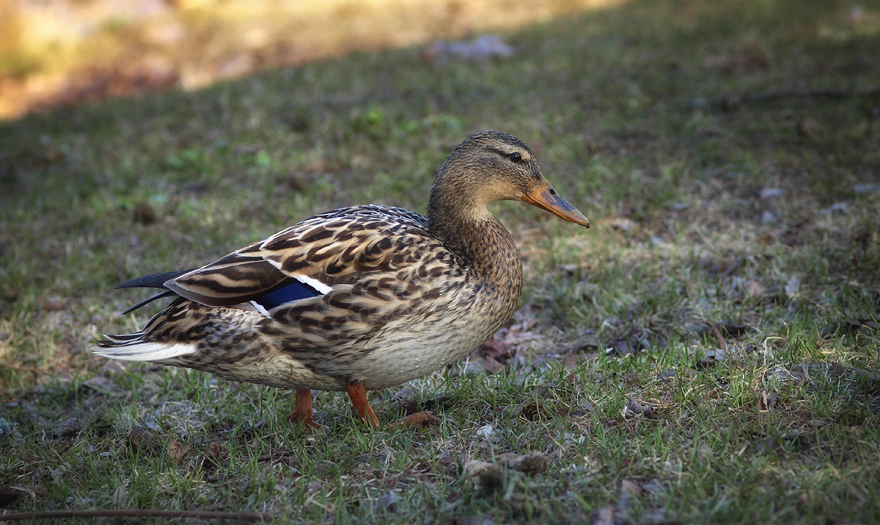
(630, 488)
(489, 475)
(496, 348)
(705, 453)
(177, 452)
(144, 213)
(781, 374)
(492, 365)
(583, 408)
(473, 467)
(754, 288)
(603, 516)
(529, 464)
(53, 303)
(119, 495)
(139, 438)
(721, 341)
(211, 457)
(766, 401)
(810, 129)
(535, 412)
(572, 360)
(420, 419)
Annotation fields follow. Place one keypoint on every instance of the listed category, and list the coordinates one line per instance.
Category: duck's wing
(306, 260)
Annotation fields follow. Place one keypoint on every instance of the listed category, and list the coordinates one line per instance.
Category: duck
(360, 298)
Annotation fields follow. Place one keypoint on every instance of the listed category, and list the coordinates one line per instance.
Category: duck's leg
(302, 411)
(358, 396)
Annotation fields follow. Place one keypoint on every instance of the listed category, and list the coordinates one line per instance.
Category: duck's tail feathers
(147, 301)
(132, 347)
(156, 280)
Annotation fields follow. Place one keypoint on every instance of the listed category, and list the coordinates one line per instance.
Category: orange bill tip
(546, 198)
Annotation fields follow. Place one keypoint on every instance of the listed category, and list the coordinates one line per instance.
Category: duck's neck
(480, 240)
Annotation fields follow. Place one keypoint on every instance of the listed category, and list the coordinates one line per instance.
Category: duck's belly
(401, 357)
(279, 372)
(393, 357)
(414, 353)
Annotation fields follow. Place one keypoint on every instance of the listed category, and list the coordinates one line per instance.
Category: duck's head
(491, 166)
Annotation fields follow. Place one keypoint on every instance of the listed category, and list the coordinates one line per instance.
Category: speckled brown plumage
(358, 298)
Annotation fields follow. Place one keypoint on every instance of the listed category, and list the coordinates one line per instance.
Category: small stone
(837, 207)
(487, 433)
(67, 428)
(53, 303)
(387, 501)
(772, 193)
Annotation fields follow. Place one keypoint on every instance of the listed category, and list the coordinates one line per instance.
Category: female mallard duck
(358, 298)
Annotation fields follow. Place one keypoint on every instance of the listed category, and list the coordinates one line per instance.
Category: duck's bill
(546, 198)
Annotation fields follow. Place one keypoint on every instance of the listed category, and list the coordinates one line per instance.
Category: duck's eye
(515, 157)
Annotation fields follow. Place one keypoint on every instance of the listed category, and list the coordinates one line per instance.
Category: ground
(706, 352)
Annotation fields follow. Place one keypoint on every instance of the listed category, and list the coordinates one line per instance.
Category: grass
(731, 271)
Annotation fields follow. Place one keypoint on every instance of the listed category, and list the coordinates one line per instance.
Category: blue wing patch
(292, 291)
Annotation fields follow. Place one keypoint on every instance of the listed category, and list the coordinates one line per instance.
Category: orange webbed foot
(302, 412)
(358, 396)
